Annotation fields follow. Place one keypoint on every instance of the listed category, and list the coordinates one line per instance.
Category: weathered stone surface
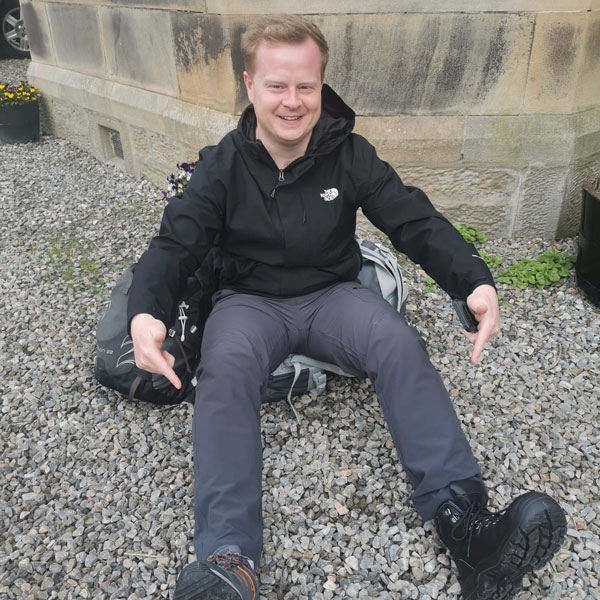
(585, 128)
(100, 127)
(485, 198)
(540, 196)
(139, 48)
(209, 62)
(168, 151)
(157, 174)
(156, 132)
(69, 121)
(76, 36)
(521, 140)
(197, 127)
(570, 214)
(556, 62)
(38, 30)
(423, 140)
(588, 88)
(434, 63)
(191, 5)
(312, 7)
(518, 140)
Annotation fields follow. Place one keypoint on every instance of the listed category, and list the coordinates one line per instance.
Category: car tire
(13, 38)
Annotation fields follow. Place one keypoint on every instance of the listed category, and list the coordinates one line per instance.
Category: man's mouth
(289, 118)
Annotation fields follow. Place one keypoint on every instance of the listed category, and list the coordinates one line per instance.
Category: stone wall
(491, 107)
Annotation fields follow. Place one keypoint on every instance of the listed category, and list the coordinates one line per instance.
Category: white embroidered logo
(330, 194)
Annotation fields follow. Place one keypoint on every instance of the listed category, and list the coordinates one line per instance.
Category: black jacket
(288, 233)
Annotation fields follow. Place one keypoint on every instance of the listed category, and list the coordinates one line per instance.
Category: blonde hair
(281, 29)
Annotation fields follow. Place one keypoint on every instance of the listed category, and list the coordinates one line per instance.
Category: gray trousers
(248, 336)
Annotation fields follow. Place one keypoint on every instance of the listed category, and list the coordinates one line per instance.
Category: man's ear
(248, 83)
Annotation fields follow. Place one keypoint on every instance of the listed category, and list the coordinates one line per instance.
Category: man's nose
(292, 98)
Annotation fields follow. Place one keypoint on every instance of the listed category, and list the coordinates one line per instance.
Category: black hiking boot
(494, 550)
(225, 576)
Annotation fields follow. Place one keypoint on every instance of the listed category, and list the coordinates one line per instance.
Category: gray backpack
(299, 374)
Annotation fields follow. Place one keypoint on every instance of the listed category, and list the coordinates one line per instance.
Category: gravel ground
(96, 493)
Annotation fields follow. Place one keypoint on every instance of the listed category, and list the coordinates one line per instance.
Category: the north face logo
(330, 194)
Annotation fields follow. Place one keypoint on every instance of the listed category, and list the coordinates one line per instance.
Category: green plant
(69, 255)
(430, 286)
(471, 234)
(502, 301)
(13, 95)
(547, 270)
(491, 260)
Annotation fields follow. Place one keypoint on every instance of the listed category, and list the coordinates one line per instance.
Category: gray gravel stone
(96, 493)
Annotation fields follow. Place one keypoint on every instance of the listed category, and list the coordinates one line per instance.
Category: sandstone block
(556, 62)
(157, 174)
(139, 48)
(191, 5)
(541, 194)
(586, 133)
(570, 214)
(38, 30)
(76, 35)
(525, 139)
(429, 63)
(421, 140)
(69, 121)
(484, 198)
(209, 61)
(312, 7)
(111, 141)
(588, 88)
(518, 140)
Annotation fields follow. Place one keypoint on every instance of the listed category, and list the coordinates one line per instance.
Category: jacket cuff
(482, 281)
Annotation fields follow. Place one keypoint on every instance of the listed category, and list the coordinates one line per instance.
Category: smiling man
(279, 195)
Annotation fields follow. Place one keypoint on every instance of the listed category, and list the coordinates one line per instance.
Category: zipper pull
(279, 180)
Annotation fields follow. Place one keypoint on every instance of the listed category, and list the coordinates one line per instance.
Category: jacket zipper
(280, 179)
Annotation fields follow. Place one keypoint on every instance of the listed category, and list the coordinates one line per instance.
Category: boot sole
(537, 536)
(198, 582)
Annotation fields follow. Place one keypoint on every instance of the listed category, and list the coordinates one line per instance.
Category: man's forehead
(267, 49)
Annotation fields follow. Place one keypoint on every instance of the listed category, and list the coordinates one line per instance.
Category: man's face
(285, 90)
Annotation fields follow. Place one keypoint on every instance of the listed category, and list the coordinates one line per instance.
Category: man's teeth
(290, 118)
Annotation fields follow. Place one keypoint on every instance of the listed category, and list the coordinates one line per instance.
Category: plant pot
(587, 267)
(20, 124)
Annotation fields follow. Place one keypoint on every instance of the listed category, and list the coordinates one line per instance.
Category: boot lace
(474, 519)
(238, 566)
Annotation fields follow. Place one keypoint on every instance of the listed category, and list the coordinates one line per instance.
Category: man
(279, 195)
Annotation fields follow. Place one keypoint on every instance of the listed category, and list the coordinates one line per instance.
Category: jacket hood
(334, 125)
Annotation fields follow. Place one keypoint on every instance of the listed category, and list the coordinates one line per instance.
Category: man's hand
(148, 334)
(483, 303)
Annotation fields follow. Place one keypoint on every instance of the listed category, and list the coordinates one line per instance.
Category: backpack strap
(133, 389)
(297, 370)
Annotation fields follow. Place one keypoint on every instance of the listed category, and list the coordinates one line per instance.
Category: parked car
(13, 38)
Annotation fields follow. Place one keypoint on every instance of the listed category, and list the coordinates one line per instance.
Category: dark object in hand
(467, 319)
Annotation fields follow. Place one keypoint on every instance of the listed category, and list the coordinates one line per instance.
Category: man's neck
(282, 155)
(283, 159)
